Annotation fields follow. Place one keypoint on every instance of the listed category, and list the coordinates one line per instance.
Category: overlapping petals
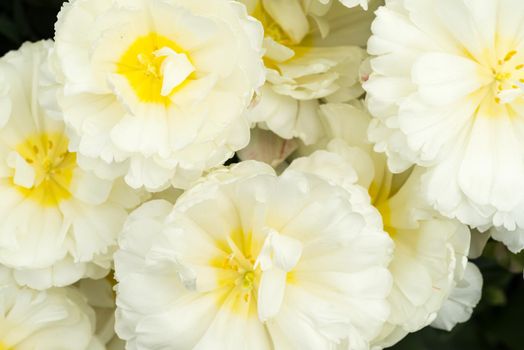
(446, 94)
(247, 259)
(430, 252)
(59, 222)
(157, 90)
(58, 318)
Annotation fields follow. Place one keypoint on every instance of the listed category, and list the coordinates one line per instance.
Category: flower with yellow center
(58, 222)
(301, 68)
(246, 259)
(430, 252)
(447, 94)
(297, 65)
(58, 318)
(157, 90)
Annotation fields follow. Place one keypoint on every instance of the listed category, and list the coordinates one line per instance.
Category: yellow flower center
(4, 347)
(53, 167)
(150, 64)
(508, 77)
(237, 273)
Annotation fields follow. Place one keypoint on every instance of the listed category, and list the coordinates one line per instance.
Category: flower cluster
(363, 140)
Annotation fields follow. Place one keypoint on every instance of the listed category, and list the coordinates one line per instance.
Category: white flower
(246, 260)
(445, 93)
(58, 223)
(58, 318)
(301, 68)
(157, 89)
(462, 300)
(430, 250)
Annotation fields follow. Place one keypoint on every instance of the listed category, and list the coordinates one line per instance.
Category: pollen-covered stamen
(244, 284)
(248, 280)
(508, 78)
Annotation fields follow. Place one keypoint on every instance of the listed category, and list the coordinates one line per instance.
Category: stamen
(510, 55)
(53, 166)
(503, 76)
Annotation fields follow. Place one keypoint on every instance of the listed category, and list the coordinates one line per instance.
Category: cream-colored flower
(157, 89)
(58, 223)
(58, 318)
(430, 253)
(446, 93)
(249, 260)
(430, 250)
(303, 65)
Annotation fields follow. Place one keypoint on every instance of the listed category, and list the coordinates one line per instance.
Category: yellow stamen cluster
(237, 272)
(507, 75)
(53, 165)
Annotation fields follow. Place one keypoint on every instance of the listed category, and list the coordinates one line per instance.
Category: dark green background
(498, 322)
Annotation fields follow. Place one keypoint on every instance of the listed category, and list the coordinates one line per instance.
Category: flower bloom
(446, 91)
(430, 252)
(58, 222)
(246, 259)
(157, 90)
(300, 69)
(58, 318)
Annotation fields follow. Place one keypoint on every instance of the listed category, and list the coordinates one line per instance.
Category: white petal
(463, 299)
(271, 293)
(175, 69)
